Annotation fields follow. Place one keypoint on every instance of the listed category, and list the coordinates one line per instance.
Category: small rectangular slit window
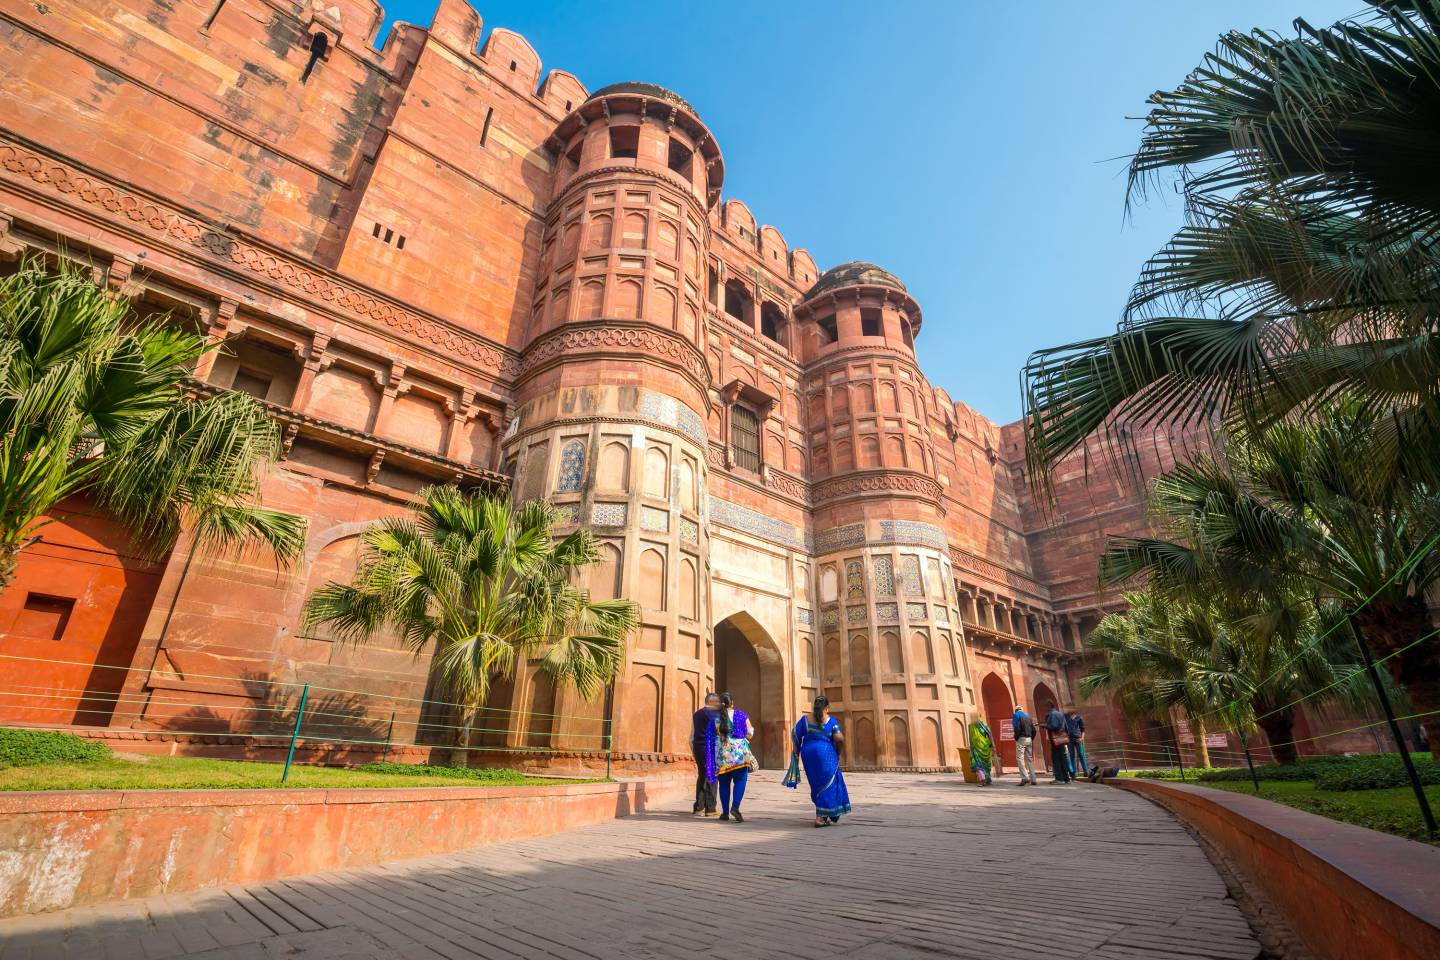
(485, 130)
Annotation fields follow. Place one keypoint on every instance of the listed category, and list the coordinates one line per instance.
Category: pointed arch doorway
(748, 665)
(998, 708)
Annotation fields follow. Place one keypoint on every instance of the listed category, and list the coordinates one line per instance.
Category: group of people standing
(1065, 731)
(720, 742)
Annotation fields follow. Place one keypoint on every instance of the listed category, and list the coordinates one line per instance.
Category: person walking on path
(1025, 734)
(1075, 729)
(1059, 740)
(733, 731)
(703, 749)
(817, 741)
(982, 750)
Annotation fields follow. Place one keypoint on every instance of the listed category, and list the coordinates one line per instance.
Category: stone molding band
(214, 242)
(598, 338)
(885, 482)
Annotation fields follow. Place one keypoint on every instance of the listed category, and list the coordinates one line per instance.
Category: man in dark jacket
(1025, 733)
(1075, 727)
(1059, 762)
(702, 741)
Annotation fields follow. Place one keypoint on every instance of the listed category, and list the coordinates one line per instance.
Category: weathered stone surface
(925, 867)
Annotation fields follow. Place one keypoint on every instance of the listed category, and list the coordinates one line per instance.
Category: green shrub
(438, 770)
(1376, 773)
(28, 748)
(1307, 769)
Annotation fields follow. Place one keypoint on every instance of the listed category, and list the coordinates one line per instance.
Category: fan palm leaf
(484, 586)
(96, 405)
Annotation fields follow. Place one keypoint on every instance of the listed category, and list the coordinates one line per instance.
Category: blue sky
(970, 148)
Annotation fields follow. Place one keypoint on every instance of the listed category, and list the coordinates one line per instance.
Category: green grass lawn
(172, 773)
(1392, 810)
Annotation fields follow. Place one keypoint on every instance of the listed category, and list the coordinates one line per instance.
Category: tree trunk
(9, 558)
(1279, 729)
(1388, 628)
(1202, 749)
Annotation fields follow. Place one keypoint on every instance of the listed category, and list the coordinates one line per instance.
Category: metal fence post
(609, 745)
(295, 735)
(1400, 743)
(1254, 777)
(385, 755)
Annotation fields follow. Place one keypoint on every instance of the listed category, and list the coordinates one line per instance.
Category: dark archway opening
(747, 664)
(1044, 699)
(998, 708)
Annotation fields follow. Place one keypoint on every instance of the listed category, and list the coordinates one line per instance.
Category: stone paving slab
(927, 866)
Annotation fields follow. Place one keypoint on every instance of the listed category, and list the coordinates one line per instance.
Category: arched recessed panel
(927, 743)
(923, 658)
(650, 590)
(597, 235)
(627, 299)
(900, 742)
(832, 658)
(689, 590)
(894, 657)
(614, 471)
(604, 574)
(657, 473)
(859, 655)
(865, 741)
(642, 715)
(592, 300)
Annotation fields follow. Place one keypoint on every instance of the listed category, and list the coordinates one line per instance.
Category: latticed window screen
(745, 438)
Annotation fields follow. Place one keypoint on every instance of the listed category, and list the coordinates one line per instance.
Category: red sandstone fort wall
(434, 262)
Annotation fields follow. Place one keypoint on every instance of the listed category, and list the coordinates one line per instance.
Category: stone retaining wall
(70, 848)
(1347, 891)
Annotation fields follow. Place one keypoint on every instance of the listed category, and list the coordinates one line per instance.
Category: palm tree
(486, 587)
(1155, 662)
(1309, 264)
(1222, 667)
(1313, 507)
(94, 409)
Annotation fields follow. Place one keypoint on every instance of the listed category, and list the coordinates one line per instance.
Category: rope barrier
(290, 683)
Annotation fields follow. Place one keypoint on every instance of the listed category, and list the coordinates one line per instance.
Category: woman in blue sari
(817, 740)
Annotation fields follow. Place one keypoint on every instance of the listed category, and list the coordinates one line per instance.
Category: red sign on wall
(1007, 730)
(1182, 727)
(1217, 740)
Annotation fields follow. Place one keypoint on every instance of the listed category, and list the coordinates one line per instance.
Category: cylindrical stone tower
(893, 661)
(612, 400)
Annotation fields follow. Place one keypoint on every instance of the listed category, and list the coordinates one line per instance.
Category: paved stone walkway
(926, 867)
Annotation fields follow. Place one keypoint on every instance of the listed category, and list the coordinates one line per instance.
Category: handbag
(735, 752)
(1059, 738)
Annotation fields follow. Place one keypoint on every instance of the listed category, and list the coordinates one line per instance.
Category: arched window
(771, 320)
(745, 438)
(737, 299)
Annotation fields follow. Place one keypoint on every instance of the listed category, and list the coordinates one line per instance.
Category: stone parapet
(1345, 890)
(72, 848)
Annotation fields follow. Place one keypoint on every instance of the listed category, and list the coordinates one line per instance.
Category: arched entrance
(1044, 699)
(748, 665)
(998, 708)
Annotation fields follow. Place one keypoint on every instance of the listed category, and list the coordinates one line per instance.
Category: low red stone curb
(1346, 891)
(74, 848)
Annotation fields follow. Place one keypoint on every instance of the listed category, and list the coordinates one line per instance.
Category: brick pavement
(927, 866)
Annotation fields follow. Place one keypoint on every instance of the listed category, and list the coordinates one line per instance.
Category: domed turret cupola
(858, 304)
(639, 125)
